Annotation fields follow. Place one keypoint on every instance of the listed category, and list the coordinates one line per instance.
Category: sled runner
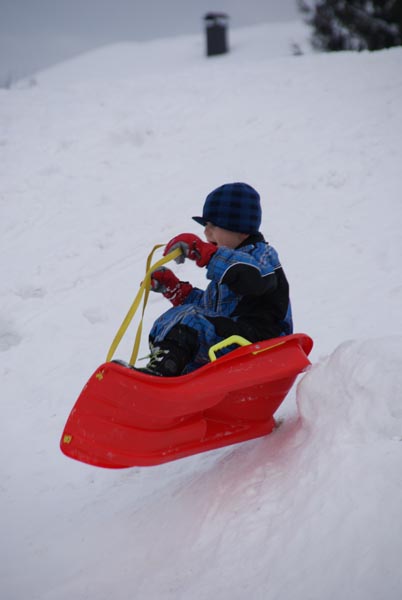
(126, 418)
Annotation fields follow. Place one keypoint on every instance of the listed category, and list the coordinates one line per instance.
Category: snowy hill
(112, 153)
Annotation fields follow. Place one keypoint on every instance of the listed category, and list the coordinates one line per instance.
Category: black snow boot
(171, 355)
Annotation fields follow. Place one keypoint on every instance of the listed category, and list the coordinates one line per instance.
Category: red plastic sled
(125, 418)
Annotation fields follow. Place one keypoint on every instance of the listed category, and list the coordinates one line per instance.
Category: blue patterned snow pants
(194, 317)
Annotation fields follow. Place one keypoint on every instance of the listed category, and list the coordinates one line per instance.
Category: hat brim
(200, 220)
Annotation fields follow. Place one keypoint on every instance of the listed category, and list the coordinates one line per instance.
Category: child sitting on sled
(248, 293)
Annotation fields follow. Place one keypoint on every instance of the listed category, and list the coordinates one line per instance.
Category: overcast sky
(35, 34)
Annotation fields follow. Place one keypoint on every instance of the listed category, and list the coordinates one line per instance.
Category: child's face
(222, 237)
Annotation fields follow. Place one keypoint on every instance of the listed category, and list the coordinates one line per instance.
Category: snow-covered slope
(112, 153)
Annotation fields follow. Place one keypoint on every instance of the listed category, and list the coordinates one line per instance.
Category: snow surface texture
(113, 152)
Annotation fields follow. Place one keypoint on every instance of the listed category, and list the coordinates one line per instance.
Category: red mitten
(192, 247)
(165, 282)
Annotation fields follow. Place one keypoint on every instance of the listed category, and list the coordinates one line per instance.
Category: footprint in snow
(94, 315)
(9, 336)
(26, 292)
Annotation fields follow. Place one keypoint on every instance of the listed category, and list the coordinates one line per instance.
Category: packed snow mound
(356, 391)
(290, 504)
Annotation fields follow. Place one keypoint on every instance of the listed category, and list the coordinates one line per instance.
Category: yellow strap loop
(143, 291)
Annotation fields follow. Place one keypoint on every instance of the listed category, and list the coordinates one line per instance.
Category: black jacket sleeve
(246, 279)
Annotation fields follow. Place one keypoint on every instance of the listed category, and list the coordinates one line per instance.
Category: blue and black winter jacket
(249, 289)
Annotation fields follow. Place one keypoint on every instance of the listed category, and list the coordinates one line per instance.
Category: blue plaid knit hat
(233, 206)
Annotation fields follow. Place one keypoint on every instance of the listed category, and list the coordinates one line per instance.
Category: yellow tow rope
(143, 291)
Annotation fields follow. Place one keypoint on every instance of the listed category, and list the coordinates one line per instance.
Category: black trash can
(216, 31)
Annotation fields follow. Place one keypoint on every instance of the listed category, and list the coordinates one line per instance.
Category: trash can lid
(214, 15)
